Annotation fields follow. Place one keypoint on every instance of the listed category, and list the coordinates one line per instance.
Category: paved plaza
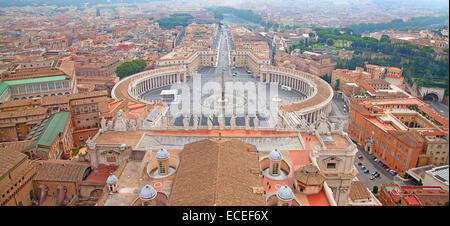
(239, 93)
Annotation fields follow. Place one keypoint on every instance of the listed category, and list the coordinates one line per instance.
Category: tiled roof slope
(220, 172)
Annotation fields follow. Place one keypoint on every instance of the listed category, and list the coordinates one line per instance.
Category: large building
(249, 50)
(16, 124)
(431, 175)
(37, 79)
(398, 132)
(395, 195)
(86, 109)
(52, 138)
(281, 168)
(16, 175)
(196, 51)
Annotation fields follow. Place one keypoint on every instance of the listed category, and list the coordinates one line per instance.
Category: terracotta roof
(358, 191)
(410, 138)
(15, 145)
(217, 172)
(324, 91)
(60, 170)
(16, 103)
(87, 95)
(58, 99)
(309, 175)
(427, 195)
(21, 113)
(394, 69)
(67, 67)
(9, 159)
(432, 113)
(366, 86)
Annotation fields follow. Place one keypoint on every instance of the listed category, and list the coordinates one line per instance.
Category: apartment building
(37, 79)
(86, 109)
(52, 138)
(396, 131)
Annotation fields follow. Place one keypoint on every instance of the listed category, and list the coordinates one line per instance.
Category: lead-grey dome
(275, 155)
(285, 193)
(111, 179)
(147, 192)
(162, 154)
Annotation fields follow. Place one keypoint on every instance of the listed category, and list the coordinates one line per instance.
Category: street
(372, 166)
(338, 114)
(440, 108)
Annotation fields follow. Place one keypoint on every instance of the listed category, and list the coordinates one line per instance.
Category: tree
(385, 38)
(330, 42)
(337, 85)
(420, 183)
(129, 68)
(326, 78)
(375, 189)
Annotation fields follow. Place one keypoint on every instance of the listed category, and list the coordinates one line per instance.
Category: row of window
(19, 182)
(39, 87)
(86, 109)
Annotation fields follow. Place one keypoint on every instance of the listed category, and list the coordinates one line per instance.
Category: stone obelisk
(223, 87)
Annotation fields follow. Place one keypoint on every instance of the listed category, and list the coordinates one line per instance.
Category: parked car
(372, 178)
(362, 166)
(366, 171)
(377, 175)
(385, 167)
(373, 158)
(392, 172)
(360, 157)
(359, 164)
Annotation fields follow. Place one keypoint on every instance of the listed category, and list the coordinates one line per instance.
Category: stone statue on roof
(138, 122)
(120, 123)
(233, 121)
(256, 122)
(209, 121)
(196, 119)
(280, 122)
(131, 125)
(103, 123)
(221, 121)
(186, 122)
(90, 143)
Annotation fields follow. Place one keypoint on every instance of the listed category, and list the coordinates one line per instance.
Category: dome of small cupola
(162, 154)
(285, 193)
(309, 175)
(112, 179)
(275, 155)
(147, 192)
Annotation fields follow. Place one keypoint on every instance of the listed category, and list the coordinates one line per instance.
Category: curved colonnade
(319, 93)
(132, 87)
